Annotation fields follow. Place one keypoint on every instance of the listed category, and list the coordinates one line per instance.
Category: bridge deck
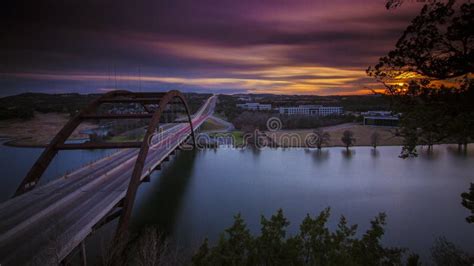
(44, 225)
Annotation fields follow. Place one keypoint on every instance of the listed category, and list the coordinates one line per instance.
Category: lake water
(197, 193)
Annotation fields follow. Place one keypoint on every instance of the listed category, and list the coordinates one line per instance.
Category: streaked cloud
(297, 46)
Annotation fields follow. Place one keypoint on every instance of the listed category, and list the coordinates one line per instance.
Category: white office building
(330, 110)
(315, 110)
(255, 106)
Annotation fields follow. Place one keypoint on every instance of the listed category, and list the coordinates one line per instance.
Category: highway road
(44, 225)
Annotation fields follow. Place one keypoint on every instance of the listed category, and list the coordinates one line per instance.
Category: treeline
(436, 102)
(23, 106)
(314, 244)
(196, 100)
(249, 121)
(227, 103)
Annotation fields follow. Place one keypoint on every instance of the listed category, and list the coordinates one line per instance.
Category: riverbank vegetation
(315, 243)
(33, 119)
(211, 125)
(468, 202)
(304, 138)
(348, 139)
(249, 121)
(39, 130)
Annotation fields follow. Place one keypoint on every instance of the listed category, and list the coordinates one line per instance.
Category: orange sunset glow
(297, 47)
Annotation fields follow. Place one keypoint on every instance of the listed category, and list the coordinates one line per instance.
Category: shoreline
(38, 131)
(14, 144)
(17, 143)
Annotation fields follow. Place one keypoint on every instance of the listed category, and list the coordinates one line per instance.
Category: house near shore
(381, 118)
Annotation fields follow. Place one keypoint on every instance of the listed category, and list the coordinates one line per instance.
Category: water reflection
(460, 151)
(429, 154)
(196, 194)
(164, 195)
(320, 156)
(374, 153)
(348, 154)
(255, 150)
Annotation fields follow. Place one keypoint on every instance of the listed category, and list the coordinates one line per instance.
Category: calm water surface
(197, 193)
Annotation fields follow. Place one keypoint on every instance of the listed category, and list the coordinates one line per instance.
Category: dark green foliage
(413, 260)
(24, 105)
(446, 253)
(375, 139)
(437, 44)
(13, 112)
(196, 100)
(315, 244)
(433, 59)
(258, 120)
(226, 105)
(468, 202)
(319, 138)
(348, 138)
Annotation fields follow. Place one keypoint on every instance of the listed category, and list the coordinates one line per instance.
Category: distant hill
(23, 106)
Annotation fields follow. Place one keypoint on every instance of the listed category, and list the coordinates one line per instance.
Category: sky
(216, 46)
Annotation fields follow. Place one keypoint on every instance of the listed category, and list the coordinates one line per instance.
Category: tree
(444, 252)
(429, 75)
(348, 139)
(315, 244)
(319, 138)
(374, 139)
(468, 202)
(437, 45)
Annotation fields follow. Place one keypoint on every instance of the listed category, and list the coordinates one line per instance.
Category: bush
(315, 244)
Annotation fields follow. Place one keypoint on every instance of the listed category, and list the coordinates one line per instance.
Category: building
(315, 110)
(244, 99)
(377, 113)
(255, 106)
(380, 118)
(330, 110)
(300, 110)
(386, 121)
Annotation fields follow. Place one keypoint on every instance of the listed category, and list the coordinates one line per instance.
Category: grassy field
(39, 130)
(212, 125)
(237, 136)
(362, 134)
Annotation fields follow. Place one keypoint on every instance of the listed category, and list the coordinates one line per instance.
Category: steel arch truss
(90, 112)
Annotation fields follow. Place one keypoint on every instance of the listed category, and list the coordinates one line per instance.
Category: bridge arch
(135, 180)
(118, 96)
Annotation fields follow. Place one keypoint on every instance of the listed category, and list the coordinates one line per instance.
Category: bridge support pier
(83, 254)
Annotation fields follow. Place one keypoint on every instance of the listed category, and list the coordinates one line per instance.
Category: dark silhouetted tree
(348, 139)
(444, 252)
(320, 138)
(468, 202)
(429, 75)
(315, 244)
(375, 139)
